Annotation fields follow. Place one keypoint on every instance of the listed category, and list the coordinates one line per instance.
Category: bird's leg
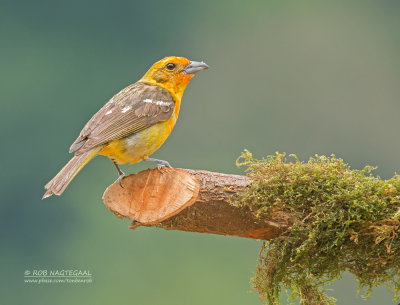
(160, 163)
(120, 173)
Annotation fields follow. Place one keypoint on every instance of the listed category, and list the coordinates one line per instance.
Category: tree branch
(188, 200)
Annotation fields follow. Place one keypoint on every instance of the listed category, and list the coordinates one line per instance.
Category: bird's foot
(120, 177)
(120, 173)
(163, 164)
(160, 163)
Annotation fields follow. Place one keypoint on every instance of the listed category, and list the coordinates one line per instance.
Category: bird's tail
(59, 183)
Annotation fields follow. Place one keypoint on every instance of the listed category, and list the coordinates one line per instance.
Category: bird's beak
(195, 66)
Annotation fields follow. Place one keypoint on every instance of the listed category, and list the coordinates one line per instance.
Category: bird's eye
(170, 66)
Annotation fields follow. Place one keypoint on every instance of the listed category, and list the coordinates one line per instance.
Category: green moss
(341, 220)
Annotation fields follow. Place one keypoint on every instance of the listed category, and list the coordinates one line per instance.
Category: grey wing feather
(133, 109)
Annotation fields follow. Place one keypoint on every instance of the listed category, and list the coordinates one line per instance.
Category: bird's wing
(133, 109)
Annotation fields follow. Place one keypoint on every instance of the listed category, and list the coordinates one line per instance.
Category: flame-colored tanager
(134, 123)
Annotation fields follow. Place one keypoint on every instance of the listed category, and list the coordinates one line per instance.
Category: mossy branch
(320, 218)
(342, 220)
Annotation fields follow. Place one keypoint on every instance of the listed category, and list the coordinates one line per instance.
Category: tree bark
(188, 200)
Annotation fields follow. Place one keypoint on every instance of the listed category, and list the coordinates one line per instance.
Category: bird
(134, 123)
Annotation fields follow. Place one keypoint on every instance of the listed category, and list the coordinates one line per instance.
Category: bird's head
(173, 73)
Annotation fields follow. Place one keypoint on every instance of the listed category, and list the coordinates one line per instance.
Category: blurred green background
(300, 77)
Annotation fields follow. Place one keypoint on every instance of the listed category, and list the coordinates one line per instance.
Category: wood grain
(189, 200)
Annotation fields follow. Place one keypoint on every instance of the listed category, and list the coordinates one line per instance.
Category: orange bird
(134, 123)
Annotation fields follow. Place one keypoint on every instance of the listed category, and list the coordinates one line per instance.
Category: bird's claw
(162, 164)
(120, 177)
